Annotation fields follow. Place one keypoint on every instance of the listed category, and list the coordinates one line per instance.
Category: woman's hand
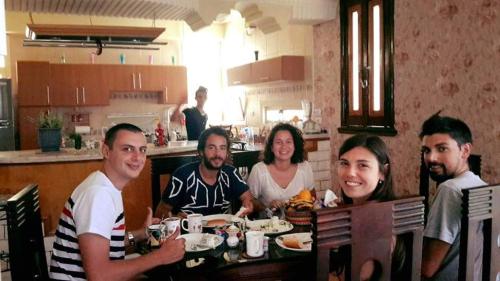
(277, 204)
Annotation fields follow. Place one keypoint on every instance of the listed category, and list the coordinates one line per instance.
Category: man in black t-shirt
(207, 186)
(196, 118)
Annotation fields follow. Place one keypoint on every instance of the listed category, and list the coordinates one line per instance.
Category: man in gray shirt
(446, 146)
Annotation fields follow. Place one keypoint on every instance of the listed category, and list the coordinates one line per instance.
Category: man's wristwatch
(131, 238)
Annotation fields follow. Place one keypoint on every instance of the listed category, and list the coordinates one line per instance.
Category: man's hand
(246, 201)
(172, 249)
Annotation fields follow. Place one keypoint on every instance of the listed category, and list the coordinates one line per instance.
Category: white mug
(255, 243)
(193, 223)
(172, 224)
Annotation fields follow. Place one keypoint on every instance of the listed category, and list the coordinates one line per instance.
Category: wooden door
(93, 90)
(175, 90)
(64, 85)
(150, 78)
(120, 77)
(33, 83)
(28, 126)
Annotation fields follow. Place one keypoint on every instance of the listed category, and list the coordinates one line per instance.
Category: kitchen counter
(322, 136)
(72, 155)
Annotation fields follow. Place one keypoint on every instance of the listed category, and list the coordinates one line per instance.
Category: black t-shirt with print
(187, 192)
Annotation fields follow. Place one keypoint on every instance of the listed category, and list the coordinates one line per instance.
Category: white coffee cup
(194, 224)
(172, 224)
(255, 243)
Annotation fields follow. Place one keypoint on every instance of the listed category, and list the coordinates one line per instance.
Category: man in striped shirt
(90, 237)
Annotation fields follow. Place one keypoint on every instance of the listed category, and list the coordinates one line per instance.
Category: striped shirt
(95, 206)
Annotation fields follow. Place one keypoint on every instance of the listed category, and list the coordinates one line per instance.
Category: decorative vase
(49, 139)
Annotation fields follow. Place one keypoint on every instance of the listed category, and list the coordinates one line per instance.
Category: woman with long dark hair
(284, 173)
(364, 174)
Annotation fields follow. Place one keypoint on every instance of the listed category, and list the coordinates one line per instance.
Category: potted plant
(49, 131)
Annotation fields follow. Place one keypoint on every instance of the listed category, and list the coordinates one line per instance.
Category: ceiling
(145, 9)
(196, 13)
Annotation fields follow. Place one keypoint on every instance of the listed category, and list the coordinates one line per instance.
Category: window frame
(367, 121)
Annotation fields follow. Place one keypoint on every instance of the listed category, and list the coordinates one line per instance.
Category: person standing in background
(196, 117)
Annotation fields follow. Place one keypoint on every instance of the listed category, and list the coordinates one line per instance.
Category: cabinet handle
(166, 94)
(48, 94)
(77, 100)
(140, 81)
(236, 82)
(264, 78)
(83, 95)
(133, 80)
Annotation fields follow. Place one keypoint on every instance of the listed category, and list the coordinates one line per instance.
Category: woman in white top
(283, 173)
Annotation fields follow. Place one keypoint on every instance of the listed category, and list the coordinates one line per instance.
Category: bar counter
(59, 173)
(72, 155)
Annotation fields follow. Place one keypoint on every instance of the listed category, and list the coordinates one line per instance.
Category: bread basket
(298, 217)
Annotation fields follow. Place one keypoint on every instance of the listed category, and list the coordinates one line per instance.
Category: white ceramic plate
(281, 226)
(193, 240)
(227, 217)
(301, 236)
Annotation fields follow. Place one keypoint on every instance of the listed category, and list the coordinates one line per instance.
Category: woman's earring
(380, 182)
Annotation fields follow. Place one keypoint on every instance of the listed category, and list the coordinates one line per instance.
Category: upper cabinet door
(239, 75)
(93, 87)
(120, 77)
(33, 83)
(175, 90)
(289, 68)
(150, 77)
(64, 85)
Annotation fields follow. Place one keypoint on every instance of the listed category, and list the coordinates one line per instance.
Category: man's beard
(208, 164)
(439, 177)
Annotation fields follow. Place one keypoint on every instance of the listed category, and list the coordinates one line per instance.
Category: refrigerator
(7, 130)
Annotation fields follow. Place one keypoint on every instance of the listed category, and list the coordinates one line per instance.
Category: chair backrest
(162, 166)
(425, 187)
(369, 230)
(480, 205)
(243, 160)
(26, 248)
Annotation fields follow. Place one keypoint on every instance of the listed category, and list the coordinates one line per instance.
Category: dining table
(232, 263)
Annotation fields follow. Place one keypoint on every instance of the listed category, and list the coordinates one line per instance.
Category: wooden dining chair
(26, 248)
(480, 205)
(368, 230)
(426, 189)
(243, 160)
(165, 166)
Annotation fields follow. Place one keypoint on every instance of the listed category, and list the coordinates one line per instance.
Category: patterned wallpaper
(447, 54)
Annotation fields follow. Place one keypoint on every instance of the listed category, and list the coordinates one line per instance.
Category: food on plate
(216, 223)
(269, 226)
(292, 242)
(301, 202)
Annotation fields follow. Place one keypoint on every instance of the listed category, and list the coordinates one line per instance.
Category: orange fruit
(305, 195)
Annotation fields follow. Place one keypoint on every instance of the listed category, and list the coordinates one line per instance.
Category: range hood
(92, 36)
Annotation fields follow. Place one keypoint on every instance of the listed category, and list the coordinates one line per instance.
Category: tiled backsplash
(320, 161)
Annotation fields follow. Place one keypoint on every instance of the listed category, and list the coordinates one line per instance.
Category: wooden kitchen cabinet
(33, 78)
(283, 68)
(78, 85)
(151, 77)
(120, 77)
(239, 75)
(137, 78)
(175, 89)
